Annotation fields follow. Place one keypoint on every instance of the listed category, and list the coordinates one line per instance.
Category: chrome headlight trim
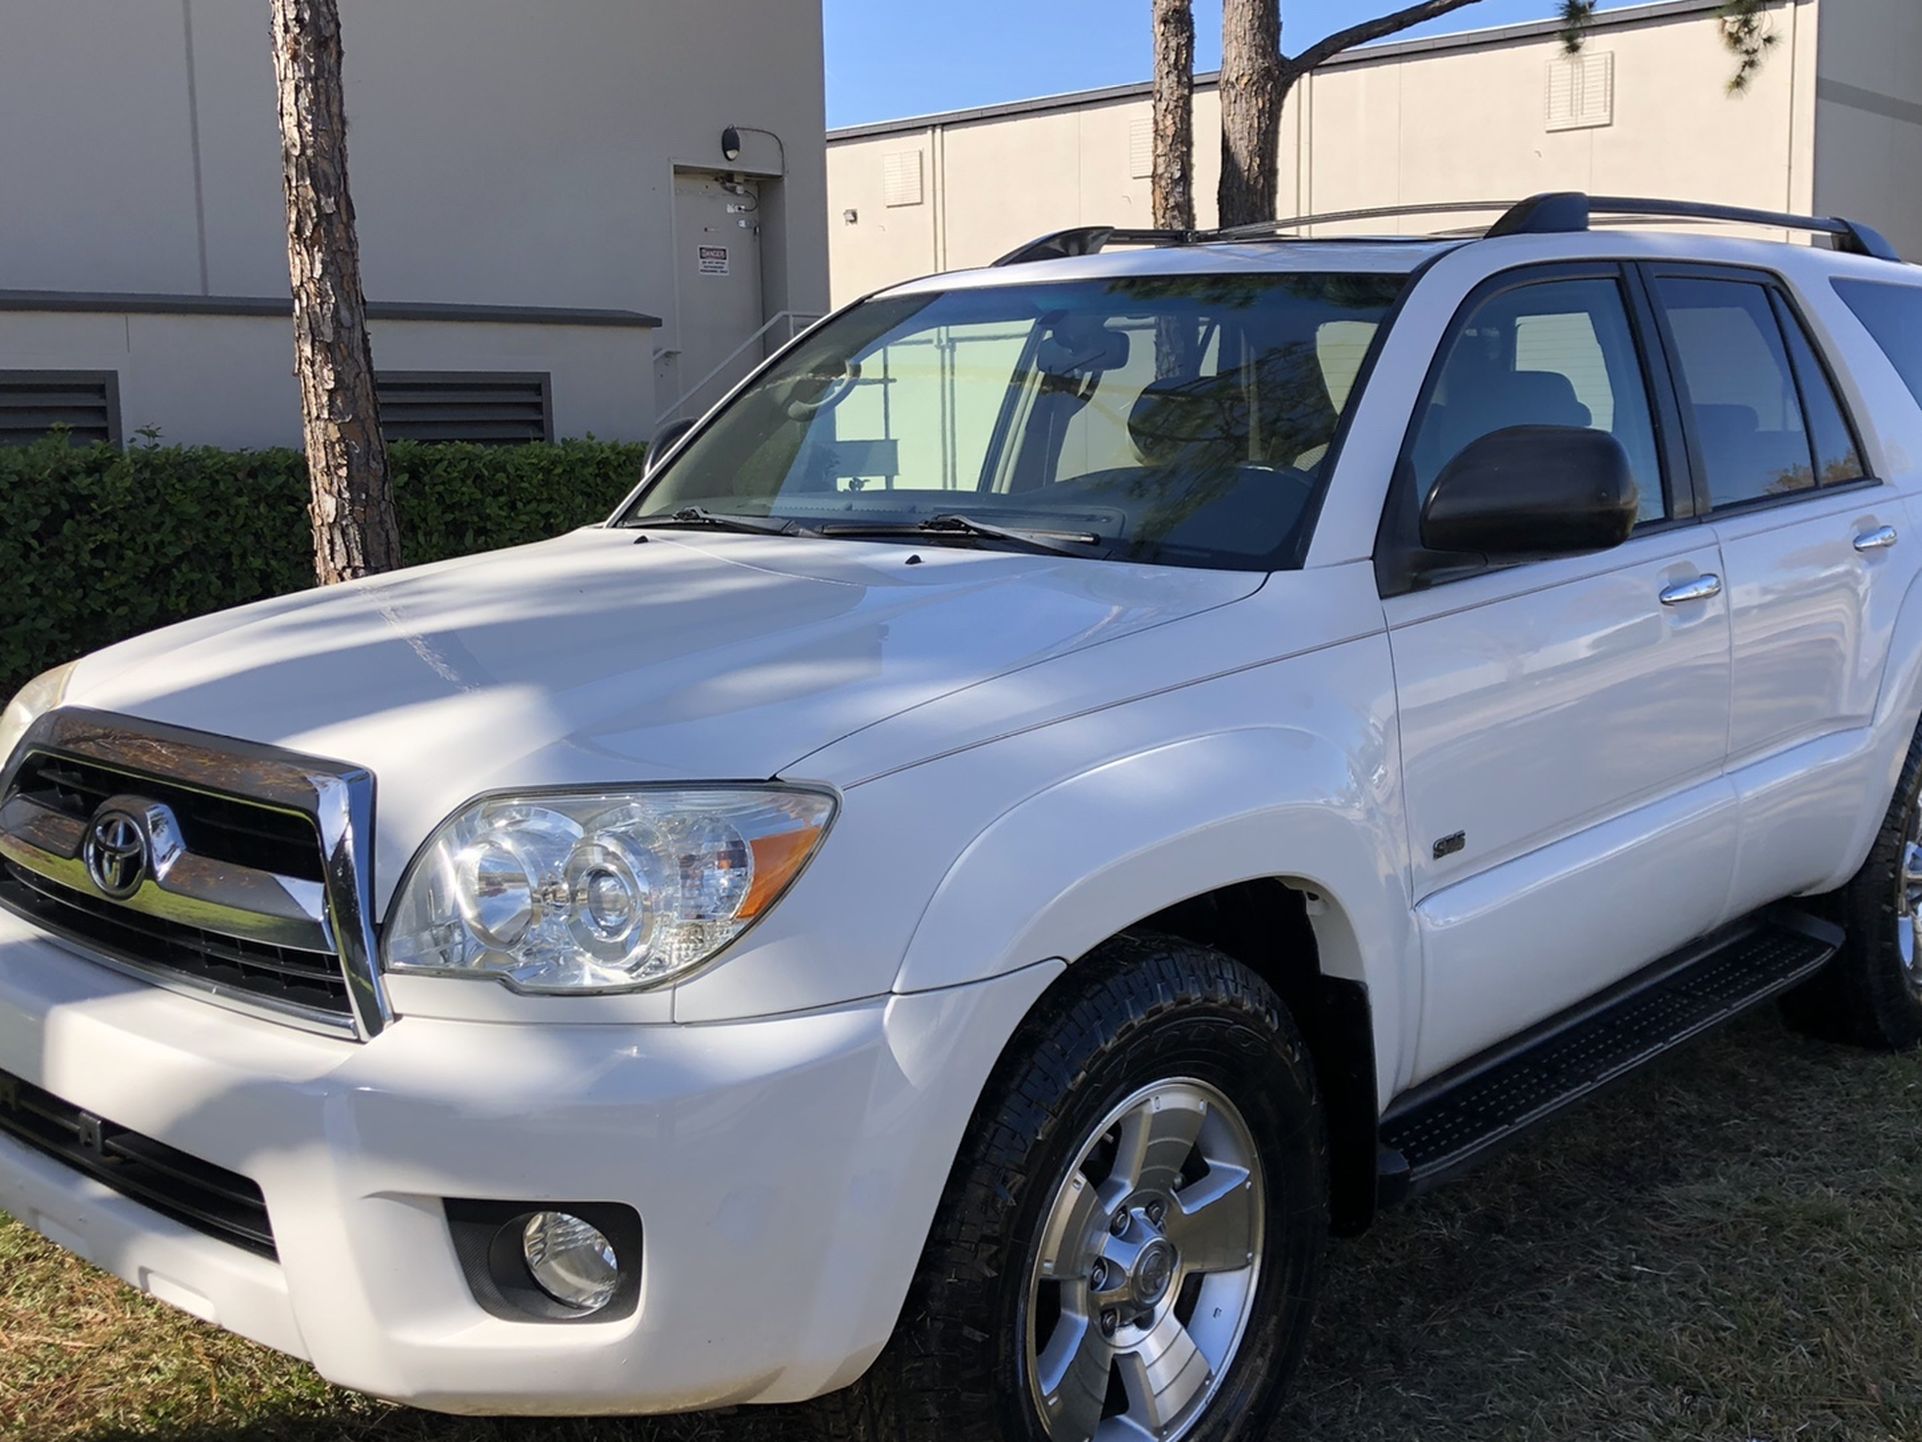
(42, 694)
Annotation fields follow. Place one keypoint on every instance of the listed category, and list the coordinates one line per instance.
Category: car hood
(598, 658)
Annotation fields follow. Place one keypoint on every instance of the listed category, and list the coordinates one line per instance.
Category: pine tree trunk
(1253, 84)
(1174, 115)
(355, 532)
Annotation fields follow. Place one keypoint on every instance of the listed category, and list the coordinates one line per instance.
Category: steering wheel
(838, 390)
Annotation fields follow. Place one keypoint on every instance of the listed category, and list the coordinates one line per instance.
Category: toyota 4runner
(1078, 780)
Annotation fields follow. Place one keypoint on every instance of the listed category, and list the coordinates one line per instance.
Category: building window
(901, 178)
(1581, 90)
(34, 404)
(489, 408)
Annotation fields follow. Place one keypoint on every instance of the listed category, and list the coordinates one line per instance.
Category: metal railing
(775, 333)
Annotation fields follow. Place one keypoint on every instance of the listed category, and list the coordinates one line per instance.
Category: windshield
(1181, 420)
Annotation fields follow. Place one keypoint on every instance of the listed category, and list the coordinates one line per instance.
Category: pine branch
(1577, 16)
(1745, 31)
(1377, 29)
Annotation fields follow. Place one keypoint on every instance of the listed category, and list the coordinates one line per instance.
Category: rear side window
(1745, 395)
(1836, 457)
(1893, 315)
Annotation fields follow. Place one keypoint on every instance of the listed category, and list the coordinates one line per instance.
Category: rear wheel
(1871, 994)
(1129, 1243)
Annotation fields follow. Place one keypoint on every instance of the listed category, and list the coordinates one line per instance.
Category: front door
(717, 226)
(1563, 723)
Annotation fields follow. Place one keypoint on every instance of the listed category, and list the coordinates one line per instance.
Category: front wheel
(1129, 1243)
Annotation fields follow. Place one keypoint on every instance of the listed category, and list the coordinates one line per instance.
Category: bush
(97, 544)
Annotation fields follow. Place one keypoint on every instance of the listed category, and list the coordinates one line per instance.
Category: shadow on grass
(1729, 1247)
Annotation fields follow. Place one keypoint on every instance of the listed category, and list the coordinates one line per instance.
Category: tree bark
(1251, 93)
(1378, 28)
(1174, 115)
(1255, 81)
(355, 531)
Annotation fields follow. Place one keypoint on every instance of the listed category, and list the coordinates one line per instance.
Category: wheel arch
(1291, 936)
(1272, 844)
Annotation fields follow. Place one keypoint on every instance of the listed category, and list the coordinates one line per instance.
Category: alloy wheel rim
(1143, 1279)
(1908, 906)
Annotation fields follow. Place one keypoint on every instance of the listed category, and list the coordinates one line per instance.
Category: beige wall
(1868, 116)
(502, 153)
(1464, 120)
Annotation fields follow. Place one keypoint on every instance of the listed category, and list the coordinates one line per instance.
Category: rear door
(1816, 561)
(1563, 723)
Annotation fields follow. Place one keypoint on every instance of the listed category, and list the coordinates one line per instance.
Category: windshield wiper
(717, 520)
(1060, 543)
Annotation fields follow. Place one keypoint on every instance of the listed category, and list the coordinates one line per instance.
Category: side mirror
(1529, 493)
(663, 441)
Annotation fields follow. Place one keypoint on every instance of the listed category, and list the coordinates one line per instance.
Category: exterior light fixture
(731, 143)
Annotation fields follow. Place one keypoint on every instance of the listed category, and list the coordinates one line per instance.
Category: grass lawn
(1729, 1248)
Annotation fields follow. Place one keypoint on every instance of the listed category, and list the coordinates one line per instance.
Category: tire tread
(915, 1392)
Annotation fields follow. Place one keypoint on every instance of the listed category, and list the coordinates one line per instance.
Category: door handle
(1879, 539)
(1700, 589)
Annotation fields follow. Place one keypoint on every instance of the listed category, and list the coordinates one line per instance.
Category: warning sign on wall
(713, 260)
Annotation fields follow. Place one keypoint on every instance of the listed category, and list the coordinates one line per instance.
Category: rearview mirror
(663, 441)
(1081, 346)
(1532, 492)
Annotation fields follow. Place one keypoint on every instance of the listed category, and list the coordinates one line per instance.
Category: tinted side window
(1893, 315)
(1836, 458)
(1740, 389)
(1557, 353)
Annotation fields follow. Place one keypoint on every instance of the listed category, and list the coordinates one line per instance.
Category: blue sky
(890, 58)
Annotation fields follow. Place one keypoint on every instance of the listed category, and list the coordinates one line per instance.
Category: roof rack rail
(1554, 213)
(1379, 212)
(1564, 212)
(1088, 239)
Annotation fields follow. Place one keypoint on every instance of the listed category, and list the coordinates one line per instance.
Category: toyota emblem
(116, 854)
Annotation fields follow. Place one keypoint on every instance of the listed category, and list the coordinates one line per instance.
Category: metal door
(717, 252)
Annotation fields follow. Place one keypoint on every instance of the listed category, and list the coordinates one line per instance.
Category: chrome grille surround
(218, 896)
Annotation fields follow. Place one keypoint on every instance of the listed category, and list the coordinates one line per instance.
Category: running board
(1445, 1126)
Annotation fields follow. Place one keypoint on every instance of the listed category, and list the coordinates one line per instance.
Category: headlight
(601, 891)
(36, 699)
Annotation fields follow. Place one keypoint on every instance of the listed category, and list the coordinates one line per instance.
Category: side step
(1447, 1125)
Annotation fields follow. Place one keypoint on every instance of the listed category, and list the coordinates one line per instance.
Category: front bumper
(785, 1171)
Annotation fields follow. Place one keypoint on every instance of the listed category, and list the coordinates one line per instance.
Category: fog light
(571, 1261)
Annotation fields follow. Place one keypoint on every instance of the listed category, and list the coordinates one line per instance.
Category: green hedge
(98, 544)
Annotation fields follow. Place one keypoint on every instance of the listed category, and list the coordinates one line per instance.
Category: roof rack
(1568, 211)
(1091, 239)
(1379, 212)
(1088, 239)
(1554, 213)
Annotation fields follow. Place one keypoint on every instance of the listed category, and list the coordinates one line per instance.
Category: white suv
(1077, 780)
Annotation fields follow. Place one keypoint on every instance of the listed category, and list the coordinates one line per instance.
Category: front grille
(220, 828)
(231, 871)
(311, 980)
(198, 1194)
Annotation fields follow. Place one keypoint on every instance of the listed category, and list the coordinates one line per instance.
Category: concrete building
(554, 240)
(1831, 124)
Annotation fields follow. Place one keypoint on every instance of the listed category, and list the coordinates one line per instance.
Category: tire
(1144, 1038)
(1871, 993)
